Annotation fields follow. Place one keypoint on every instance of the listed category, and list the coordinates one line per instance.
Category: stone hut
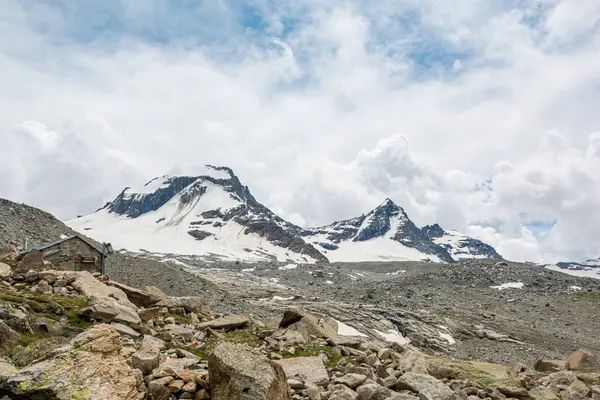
(74, 253)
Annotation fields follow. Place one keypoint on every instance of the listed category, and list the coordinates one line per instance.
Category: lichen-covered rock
(5, 271)
(88, 368)
(239, 373)
(8, 339)
(26, 355)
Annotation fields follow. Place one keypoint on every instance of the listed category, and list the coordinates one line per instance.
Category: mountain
(459, 246)
(589, 268)
(23, 226)
(214, 215)
(387, 233)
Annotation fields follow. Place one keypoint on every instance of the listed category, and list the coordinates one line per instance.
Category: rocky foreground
(72, 335)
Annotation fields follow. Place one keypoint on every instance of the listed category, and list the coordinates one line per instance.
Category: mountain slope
(212, 214)
(25, 226)
(459, 246)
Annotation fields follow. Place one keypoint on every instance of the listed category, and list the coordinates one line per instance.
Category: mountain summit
(214, 215)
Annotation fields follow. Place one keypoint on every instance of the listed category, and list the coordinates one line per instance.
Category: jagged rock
(308, 324)
(237, 373)
(410, 361)
(309, 369)
(5, 271)
(425, 385)
(8, 339)
(89, 367)
(138, 297)
(108, 309)
(151, 344)
(581, 359)
(145, 361)
(372, 391)
(146, 314)
(342, 392)
(351, 380)
(125, 330)
(158, 389)
(180, 332)
(550, 365)
(31, 261)
(577, 390)
(189, 304)
(227, 322)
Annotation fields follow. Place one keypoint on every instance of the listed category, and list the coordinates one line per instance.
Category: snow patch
(347, 330)
(400, 271)
(575, 288)
(248, 269)
(289, 266)
(509, 285)
(329, 282)
(393, 336)
(447, 336)
(279, 298)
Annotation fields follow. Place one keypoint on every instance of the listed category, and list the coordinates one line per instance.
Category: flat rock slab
(310, 369)
(228, 322)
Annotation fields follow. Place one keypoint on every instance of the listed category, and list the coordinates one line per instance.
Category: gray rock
(310, 369)
(540, 393)
(424, 385)
(125, 330)
(237, 372)
(351, 380)
(372, 391)
(342, 392)
(5, 271)
(8, 339)
(228, 322)
(145, 361)
(139, 297)
(295, 384)
(410, 361)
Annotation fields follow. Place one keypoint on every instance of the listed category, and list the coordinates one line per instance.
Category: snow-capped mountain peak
(210, 214)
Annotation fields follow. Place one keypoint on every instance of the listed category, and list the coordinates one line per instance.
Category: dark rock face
(136, 205)
(199, 234)
(466, 246)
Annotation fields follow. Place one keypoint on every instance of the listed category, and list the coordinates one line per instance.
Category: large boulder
(581, 360)
(31, 261)
(8, 252)
(88, 367)
(26, 355)
(425, 385)
(308, 325)
(5, 271)
(139, 297)
(8, 339)
(238, 373)
(308, 369)
(227, 322)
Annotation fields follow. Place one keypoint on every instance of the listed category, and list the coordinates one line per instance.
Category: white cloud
(307, 109)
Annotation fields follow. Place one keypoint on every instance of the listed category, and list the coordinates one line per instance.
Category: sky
(481, 116)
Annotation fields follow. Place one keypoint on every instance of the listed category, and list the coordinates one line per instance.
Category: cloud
(304, 99)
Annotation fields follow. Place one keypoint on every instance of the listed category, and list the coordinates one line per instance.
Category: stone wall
(73, 255)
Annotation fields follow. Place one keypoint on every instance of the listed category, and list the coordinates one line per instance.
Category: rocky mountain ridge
(214, 215)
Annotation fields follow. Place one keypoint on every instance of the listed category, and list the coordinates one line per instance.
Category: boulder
(228, 322)
(31, 261)
(8, 252)
(309, 369)
(581, 360)
(410, 361)
(342, 392)
(550, 365)
(89, 367)
(145, 361)
(540, 393)
(237, 372)
(8, 339)
(125, 330)
(351, 380)
(425, 385)
(190, 304)
(156, 292)
(107, 309)
(146, 314)
(139, 297)
(5, 271)
(372, 391)
(307, 324)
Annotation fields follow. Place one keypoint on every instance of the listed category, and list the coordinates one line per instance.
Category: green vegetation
(314, 349)
(586, 295)
(28, 338)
